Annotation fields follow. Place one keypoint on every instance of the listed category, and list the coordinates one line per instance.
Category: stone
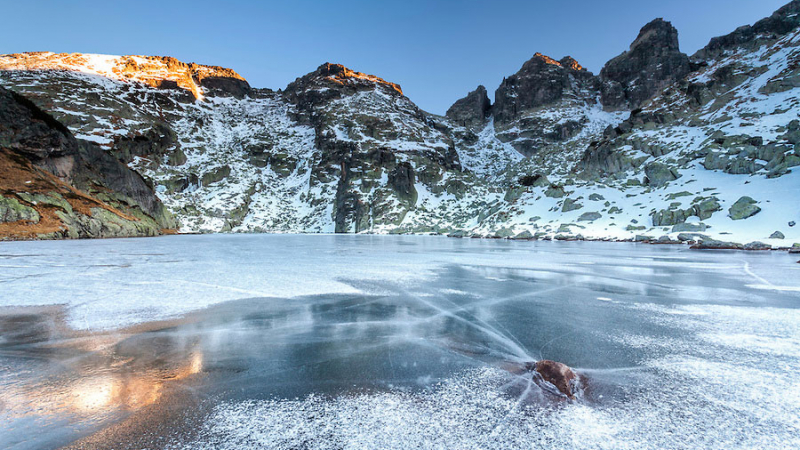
(589, 216)
(713, 244)
(659, 174)
(777, 235)
(683, 237)
(570, 205)
(215, 175)
(537, 180)
(744, 208)
(756, 245)
(596, 197)
(558, 374)
(555, 191)
(524, 236)
(503, 233)
(682, 227)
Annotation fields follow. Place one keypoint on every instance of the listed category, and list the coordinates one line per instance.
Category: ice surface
(400, 342)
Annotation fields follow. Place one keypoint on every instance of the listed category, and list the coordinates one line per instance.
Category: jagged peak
(570, 63)
(540, 60)
(658, 32)
(155, 71)
(546, 59)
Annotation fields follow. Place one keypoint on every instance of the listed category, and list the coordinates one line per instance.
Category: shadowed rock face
(541, 81)
(30, 131)
(45, 167)
(472, 110)
(653, 61)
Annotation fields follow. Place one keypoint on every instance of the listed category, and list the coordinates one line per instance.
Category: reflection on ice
(394, 342)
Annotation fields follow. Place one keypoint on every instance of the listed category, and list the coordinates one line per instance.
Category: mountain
(658, 145)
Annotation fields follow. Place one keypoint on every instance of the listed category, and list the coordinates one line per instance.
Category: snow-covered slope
(343, 151)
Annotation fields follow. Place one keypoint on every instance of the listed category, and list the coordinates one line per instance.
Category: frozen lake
(285, 341)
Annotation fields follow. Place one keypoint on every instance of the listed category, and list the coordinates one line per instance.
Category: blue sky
(437, 50)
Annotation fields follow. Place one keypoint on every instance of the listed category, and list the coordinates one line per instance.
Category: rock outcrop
(541, 81)
(653, 61)
(53, 185)
(472, 110)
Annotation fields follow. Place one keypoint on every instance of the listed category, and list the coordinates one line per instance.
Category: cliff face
(54, 186)
(657, 145)
(653, 61)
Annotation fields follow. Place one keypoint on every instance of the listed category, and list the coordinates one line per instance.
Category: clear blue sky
(437, 50)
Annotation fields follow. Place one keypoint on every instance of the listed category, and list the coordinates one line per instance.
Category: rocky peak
(161, 72)
(330, 82)
(542, 80)
(569, 62)
(781, 22)
(658, 36)
(653, 61)
(472, 110)
(342, 79)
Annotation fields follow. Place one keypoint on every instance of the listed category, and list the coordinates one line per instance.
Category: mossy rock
(744, 208)
(51, 199)
(555, 191)
(216, 175)
(589, 216)
(525, 235)
(11, 210)
(570, 205)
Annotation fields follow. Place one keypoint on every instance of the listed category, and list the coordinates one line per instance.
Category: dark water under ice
(259, 341)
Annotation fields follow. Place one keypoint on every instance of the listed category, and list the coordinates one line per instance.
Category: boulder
(756, 245)
(524, 236)
(682, 227)
(684, 237)
(570, 205)
(555, 191)
(557, 374)
(659, 174)
(596, 197)
(712, 244)
(589, 216)
(744, 208)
